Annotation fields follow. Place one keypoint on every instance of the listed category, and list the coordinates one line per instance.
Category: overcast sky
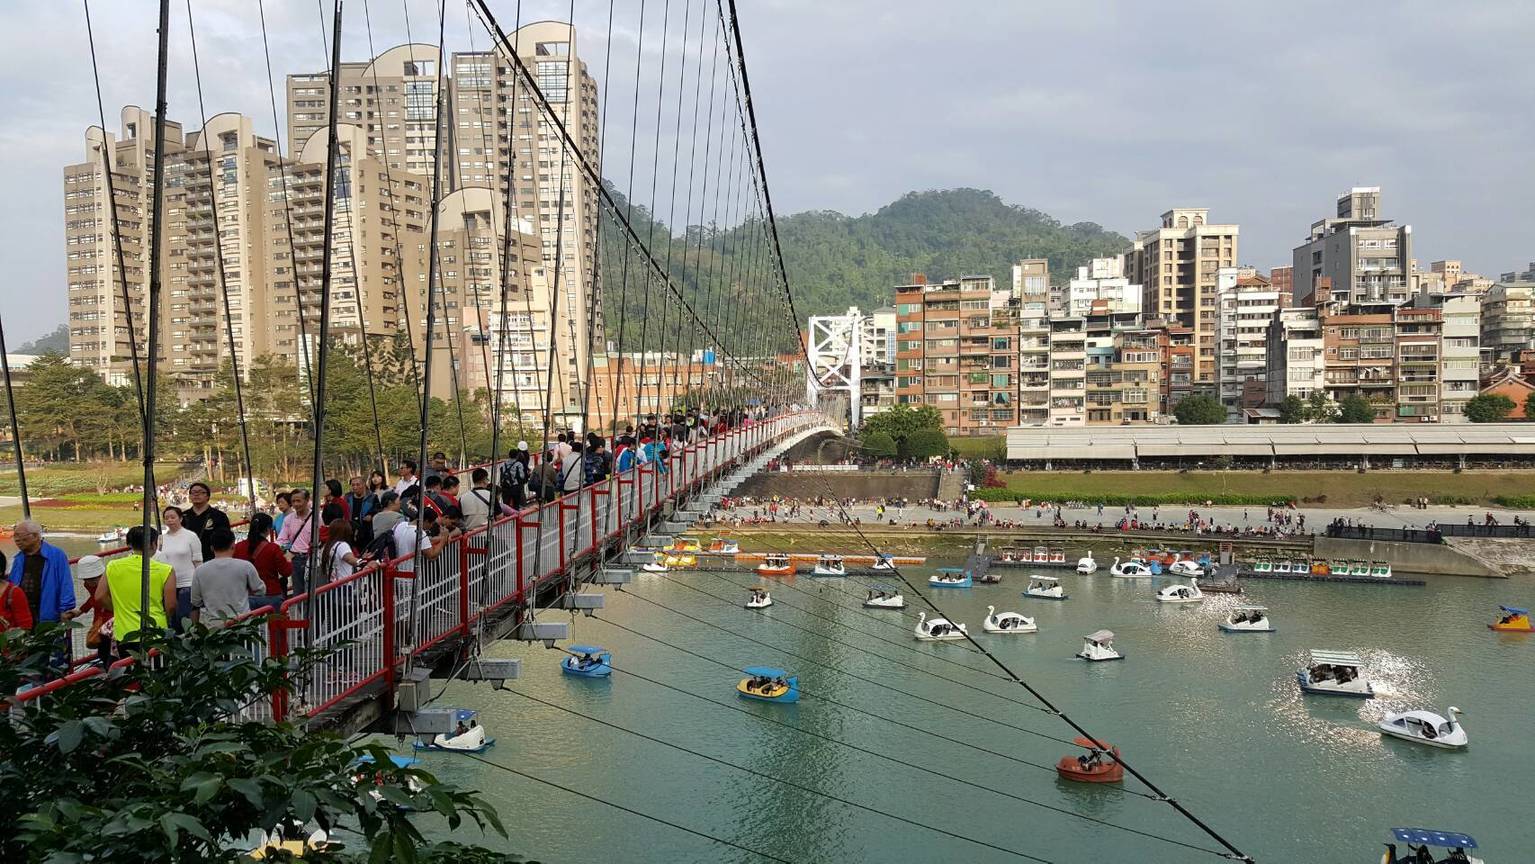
(1110, 112)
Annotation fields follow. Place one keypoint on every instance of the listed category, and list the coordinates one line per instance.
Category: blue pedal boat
(587, 661)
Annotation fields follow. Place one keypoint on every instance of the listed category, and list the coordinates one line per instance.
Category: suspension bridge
(595, 242)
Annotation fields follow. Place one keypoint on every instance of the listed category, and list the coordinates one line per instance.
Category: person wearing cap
(89, 570)
(41, 571)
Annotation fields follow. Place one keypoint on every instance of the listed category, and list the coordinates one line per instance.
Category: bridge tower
(836, 359)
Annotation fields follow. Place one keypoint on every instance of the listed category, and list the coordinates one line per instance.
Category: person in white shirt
(337, 558)
(406, 540)
(407, 479)
(183, 550)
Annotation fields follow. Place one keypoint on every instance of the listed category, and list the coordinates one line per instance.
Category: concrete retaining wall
(848, 484)
(1425, 558)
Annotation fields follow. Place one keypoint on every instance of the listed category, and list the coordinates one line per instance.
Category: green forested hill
(837, 261)
(834, 261)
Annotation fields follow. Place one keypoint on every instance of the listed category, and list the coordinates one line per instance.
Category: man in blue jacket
(41, 571)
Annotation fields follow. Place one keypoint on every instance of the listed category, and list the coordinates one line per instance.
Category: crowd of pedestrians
(200, 572)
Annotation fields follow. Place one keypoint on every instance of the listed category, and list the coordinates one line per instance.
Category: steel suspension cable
(305, 364)
(655, 176)
(594, 299)
(156, 241)
(883, 718)
(10, 403)
(701, 288)
(623, 302)
(447, 324)
(223, 274)
(779, 780)
(581, 163)
(116, 226)
(1231, 850)
(426, 373)
(631, 811)
(332, 158)
(671, 216)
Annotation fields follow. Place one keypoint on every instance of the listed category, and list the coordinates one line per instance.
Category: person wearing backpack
(596, 465)
(572, 468)
(514, 477)
(545, 481)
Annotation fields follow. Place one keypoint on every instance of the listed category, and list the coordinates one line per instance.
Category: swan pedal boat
(1513, 620)
(1007, 622)
(600, 664)
(1427, 728)
(1424, 837)
(1323, 676)
(759, 600)
(1247, 619)
(1186, 567)
(950, 577)
(884, 597)
(1100, 765)
(271, 844)
(1135, 568)
(884, 563)
(1086, 565)
(1045, 588)
(771, 691)
(1189, 593)
(947, 631)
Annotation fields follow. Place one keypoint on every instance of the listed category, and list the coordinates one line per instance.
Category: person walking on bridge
(41, 572)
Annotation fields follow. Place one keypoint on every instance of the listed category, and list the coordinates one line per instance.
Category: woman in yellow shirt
(121, 592)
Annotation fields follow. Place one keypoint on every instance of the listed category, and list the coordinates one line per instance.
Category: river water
(1216, 720)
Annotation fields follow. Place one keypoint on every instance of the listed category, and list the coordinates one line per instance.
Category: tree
(154, 764)
(880, 445)
(1355, 409)
(1200, 409)
(1292, 410)
(1488, 408)
(925, 444)
(900, 421)
(1529, 409)
(1320, 408)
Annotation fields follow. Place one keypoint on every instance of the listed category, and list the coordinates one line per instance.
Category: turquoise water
(1216, 720)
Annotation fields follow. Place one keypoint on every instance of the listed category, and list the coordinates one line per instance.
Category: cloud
(1091, 110)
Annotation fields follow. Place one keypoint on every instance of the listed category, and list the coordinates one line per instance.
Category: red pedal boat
(1099, 765)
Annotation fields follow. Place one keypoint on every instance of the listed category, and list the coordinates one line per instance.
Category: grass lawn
(81, 520)
(980, 446)
(1341, 488)
(49, 480)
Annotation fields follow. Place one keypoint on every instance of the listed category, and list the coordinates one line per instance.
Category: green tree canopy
(1200, 409)
(1488, 408)
(880, 445)
(925, 444)
(1355, 409)
(900, 421)
(1320, 408)
(1292, 410)
(155, 764)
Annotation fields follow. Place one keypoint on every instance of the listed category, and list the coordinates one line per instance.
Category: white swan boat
(1247, 619)
(1086, 565)
(759, 599)
(829, 565)
(1186, 567)
(1427, 728)
(1007, 622)
(1045, 588)
(1135, 568)
(1189, 593)
(884, 597)
(1335, 673)
(938, 629)
(1099, 646)
(884, 563)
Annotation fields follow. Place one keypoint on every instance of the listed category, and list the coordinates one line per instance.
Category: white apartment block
(1101, 288)
(1247, 306)
(1296, 358)
(1461, 355)
(1067, 354)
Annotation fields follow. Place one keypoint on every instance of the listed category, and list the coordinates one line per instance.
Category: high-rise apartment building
(1366, 258)
(1248, 304)
(1419, 361)
(102, 326)
(1176, 266)
(956, 351)
(1508, 319)
(1460, 370)
(1031, 286)
(392, 99)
